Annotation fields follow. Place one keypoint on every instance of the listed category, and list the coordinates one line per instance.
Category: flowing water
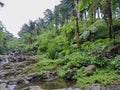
(11, 85)
(8, 74)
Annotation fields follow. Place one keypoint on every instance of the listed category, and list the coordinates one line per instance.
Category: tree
(48, 16)
(28, 28)
(40, 25)
(109, 15)
(77, 26)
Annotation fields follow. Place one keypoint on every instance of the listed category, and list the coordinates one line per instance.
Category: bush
(74, 61)
(101, 76)
(44, 40)
(100, 44)
(100, 61)
(116, 62)
(45, 64)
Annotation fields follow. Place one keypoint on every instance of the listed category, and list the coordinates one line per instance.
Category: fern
(83, 4)
(96, 27)
(52, 54)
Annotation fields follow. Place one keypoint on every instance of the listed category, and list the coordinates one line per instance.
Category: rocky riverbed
(14, 71)
(15, 75)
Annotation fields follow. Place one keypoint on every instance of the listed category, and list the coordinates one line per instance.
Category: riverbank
(30, 73)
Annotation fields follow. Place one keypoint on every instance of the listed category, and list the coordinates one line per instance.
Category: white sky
(17, 12)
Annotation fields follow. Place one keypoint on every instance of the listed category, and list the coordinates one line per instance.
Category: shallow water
(12, 87)
(5, 61)
(55, 84)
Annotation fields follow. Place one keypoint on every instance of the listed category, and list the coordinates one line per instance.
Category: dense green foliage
(92, 24)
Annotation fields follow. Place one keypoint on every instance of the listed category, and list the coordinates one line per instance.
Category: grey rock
(90, 68)
(32, 88)
(34, 77)
(95, 87)
(3, 86)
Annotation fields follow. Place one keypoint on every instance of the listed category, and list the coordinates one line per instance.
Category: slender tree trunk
(109, 15)
(77, 33)
(98, 12)
(77, 26)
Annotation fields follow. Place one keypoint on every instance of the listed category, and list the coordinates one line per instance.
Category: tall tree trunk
(77, 33)
(98, 11)
(77, 26)
(109, 15)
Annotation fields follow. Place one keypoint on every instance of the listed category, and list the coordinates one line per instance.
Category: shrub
(116, 62)
(100, 61)
(101, 76)
(45, 64)
(100, 44)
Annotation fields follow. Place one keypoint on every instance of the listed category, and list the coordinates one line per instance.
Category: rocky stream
(14, 75)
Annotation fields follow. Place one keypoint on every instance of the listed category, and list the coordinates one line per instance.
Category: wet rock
(3, 86)
(17, 80)
(2, 74)
(32, 88)
(20, 81)
(7, 66)
(95, 87)
(12, 87)
(26, 82)
(10, 73)
(22, 58)
(49, 74)
(3, 81)
(34, 77)
(2, 57)
(90, 68)
(12, 58)
(112, 87)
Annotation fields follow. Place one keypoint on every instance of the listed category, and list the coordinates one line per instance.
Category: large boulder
(95, 87)
(90, 68)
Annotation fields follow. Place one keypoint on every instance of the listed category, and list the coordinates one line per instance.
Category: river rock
(34, 77)
(32, 88)
(22, 58)
(49, 74)
(12, 58)
(7, 66)
(3, 86)
(95, 87)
